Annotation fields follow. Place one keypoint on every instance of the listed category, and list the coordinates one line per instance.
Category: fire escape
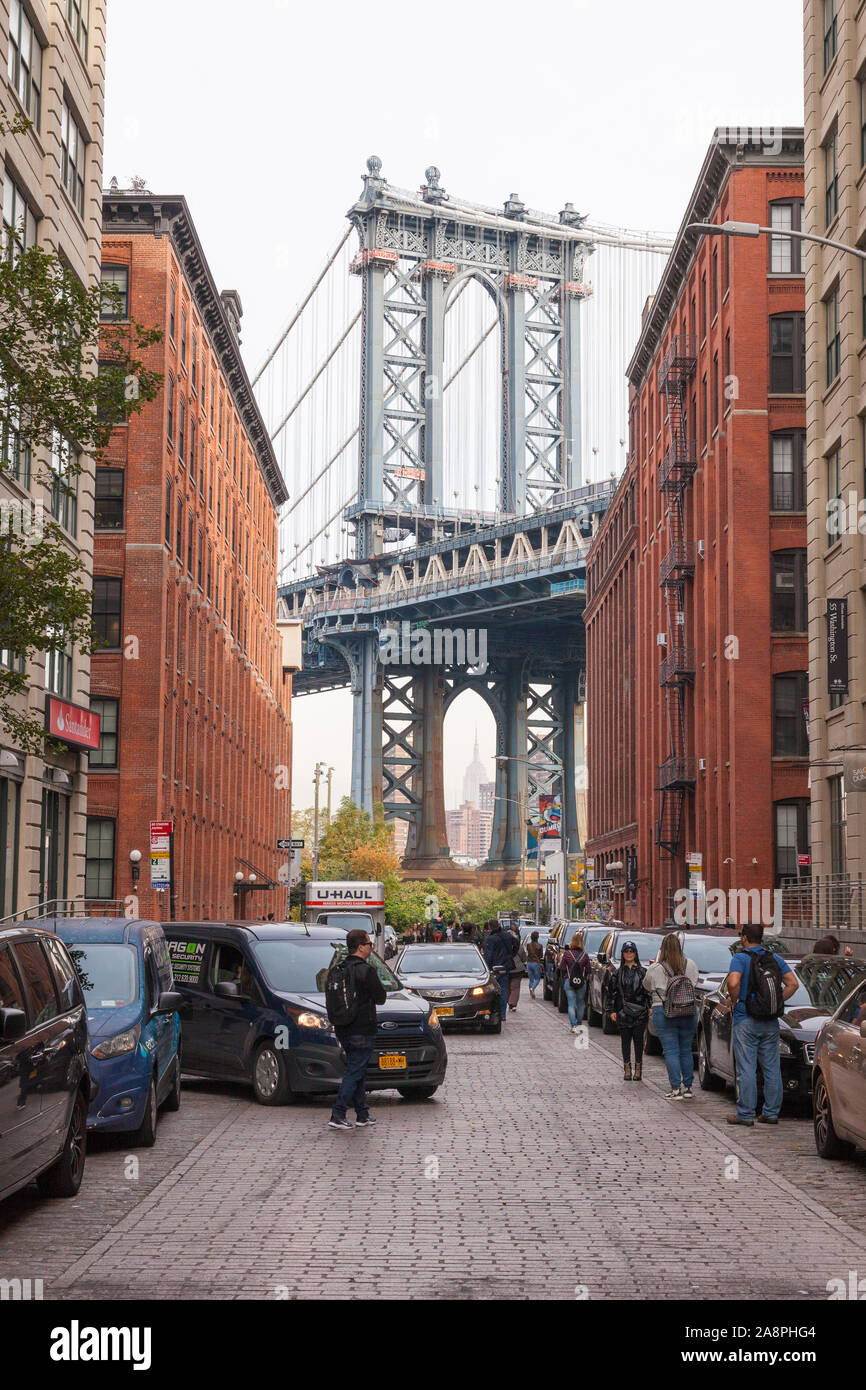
(676, 775)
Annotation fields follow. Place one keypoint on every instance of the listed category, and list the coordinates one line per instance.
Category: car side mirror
(228, 989)
(13, 1024)
(170, 1000)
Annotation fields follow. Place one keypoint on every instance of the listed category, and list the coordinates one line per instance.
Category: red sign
(159, 828)
(804, 861)
(71, 723)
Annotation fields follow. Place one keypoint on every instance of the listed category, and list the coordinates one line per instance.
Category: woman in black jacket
(628, 1006)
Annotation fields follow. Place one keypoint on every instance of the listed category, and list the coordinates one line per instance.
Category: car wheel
(172, 1100)
(270, 1076)
(607, 1024)
(706, 1077)
(827, 1141)
(420, 1092)
(145, 1135)
(63, 1178)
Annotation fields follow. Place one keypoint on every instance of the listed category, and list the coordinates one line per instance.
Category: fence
(835, 900)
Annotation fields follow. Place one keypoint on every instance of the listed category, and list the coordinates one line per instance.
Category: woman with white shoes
(671, 982)
(575, 968)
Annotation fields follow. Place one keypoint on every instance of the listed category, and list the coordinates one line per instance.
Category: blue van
(254, 1011)
(134, 1030)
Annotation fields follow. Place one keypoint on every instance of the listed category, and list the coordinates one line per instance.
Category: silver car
(839, 1079)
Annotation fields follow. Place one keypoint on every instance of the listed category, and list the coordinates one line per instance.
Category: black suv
(254, 1010)
(44, 1078)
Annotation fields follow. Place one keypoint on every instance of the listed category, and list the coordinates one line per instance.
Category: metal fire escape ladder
(677, 773)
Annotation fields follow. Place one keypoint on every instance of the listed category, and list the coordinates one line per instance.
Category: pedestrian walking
(352, 991)
(575, 968)
(534, 962)
(830, 945)
(499, 953)
(628, 1006)
(671, 982)
(517, 970)
(758, 985)
(467, 932)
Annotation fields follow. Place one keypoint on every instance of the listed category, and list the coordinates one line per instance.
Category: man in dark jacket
(358, 1037)
(499, 949)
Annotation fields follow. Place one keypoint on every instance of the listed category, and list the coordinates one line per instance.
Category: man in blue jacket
(499, 949)
(756, 1040)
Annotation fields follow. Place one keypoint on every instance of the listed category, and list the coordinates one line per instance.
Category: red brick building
(188, 678)
(696, 581)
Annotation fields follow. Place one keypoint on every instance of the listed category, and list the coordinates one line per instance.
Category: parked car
(457, 980)
(605, 963)
(822, 983)
(132, 1022)
(254, 1011)
(44, 1077)
(839, 1079)
(711, 950)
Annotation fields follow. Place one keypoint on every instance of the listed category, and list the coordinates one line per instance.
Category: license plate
(444, 1013)
(392, 1061)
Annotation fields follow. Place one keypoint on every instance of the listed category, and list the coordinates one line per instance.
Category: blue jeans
(675, 1036)
(756, 1041)
(534, 968)
(357, 1048)
(576, 999)
(503, 992)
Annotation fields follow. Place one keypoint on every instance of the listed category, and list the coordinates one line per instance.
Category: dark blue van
(254, 1010)
(125, 971)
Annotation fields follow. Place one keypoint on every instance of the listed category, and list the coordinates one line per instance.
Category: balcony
(679, 667)
(676, 774)
(678, 563)
(678, 466)
(679, 363)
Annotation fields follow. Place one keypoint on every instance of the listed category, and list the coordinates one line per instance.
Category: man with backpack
(758, 985)
(352, 991)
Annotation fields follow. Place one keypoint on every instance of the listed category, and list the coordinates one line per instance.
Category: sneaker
(532, 994)
(577, 1028)
(367, 1121)
(686, 1093)
(675, 1094)
(340, 1124)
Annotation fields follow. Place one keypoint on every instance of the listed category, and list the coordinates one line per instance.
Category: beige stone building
(52, 193)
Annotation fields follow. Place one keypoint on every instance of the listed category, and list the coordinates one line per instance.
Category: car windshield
(825, 983)
(647, 946)
(348, 921)
(463, 960)
(301, 967)
(710, 954)
(108, 973)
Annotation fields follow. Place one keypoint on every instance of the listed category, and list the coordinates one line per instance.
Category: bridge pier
(428, 847)
(510, 808)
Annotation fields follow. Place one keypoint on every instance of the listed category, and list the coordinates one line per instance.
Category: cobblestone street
(552, 1174)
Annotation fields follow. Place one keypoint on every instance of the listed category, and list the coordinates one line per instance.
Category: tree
(302, 829)
(357, 845)
(405, 903)
(55, 408)
(481, 904)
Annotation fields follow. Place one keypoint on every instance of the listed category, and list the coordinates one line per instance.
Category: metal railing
(680, 665)
(824, 902)
(678, 562)
(66, 907)
(677, 772)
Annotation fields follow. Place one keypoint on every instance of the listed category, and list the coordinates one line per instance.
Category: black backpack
(341, 995)
(764, 997)
(580, 971)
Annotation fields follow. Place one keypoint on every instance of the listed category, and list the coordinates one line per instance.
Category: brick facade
(204, 715)
(716, 300)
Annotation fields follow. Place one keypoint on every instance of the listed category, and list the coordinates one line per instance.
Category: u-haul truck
(345, 904)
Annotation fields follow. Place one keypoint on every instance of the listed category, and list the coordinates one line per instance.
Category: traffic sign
(804, 861)
(290, 844)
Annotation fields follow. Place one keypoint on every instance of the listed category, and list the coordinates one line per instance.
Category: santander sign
(72, 723)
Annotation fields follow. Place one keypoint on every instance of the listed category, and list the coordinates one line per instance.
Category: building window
(178, 531)
(107, 601)
(834, 340)
(792, 836)
(74, 154)
(789, 604)
(108, 512)
(726, 262)
(15, 452)
(704, 413)
(790, 694)
(703, 306)
(168, 512)
(829, 32)
(183, 337)
(19, 220)
(64, 468)
(834, 497)
(58, 671)
(189, 537)
(788, 354)
(831, 180)
(201, 471)
(715, 390)
(53, 846)
(785, 251)
(172, 309)
(788, 456)
(25, 62)
(199, 572)
(209, 571)
(10, 821)
(192, 448)
(715, 289)
(862, 84)
(99, 862)
(115, 286)
(181, 430)
(838, 823)
(106, 754)
(171, 410)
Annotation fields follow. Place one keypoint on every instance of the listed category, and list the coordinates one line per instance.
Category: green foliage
(56, 407)
(481, 904)
(358, 846)
(404, 903)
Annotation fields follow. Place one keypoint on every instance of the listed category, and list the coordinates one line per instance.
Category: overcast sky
(263, 115)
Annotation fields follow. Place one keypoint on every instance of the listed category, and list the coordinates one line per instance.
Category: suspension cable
(342, 507)
(302, 306)
(313, 379)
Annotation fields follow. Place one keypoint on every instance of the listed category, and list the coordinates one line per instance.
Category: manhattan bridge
(447, 402)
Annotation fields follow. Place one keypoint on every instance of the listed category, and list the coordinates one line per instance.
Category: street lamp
(135, 863)
(754, 229)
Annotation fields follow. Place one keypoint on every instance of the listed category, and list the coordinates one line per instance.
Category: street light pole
(317, 776)
(328, 816)
(753, 229)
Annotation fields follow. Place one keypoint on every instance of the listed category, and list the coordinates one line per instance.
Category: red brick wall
(730, 814)
(204, 727)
